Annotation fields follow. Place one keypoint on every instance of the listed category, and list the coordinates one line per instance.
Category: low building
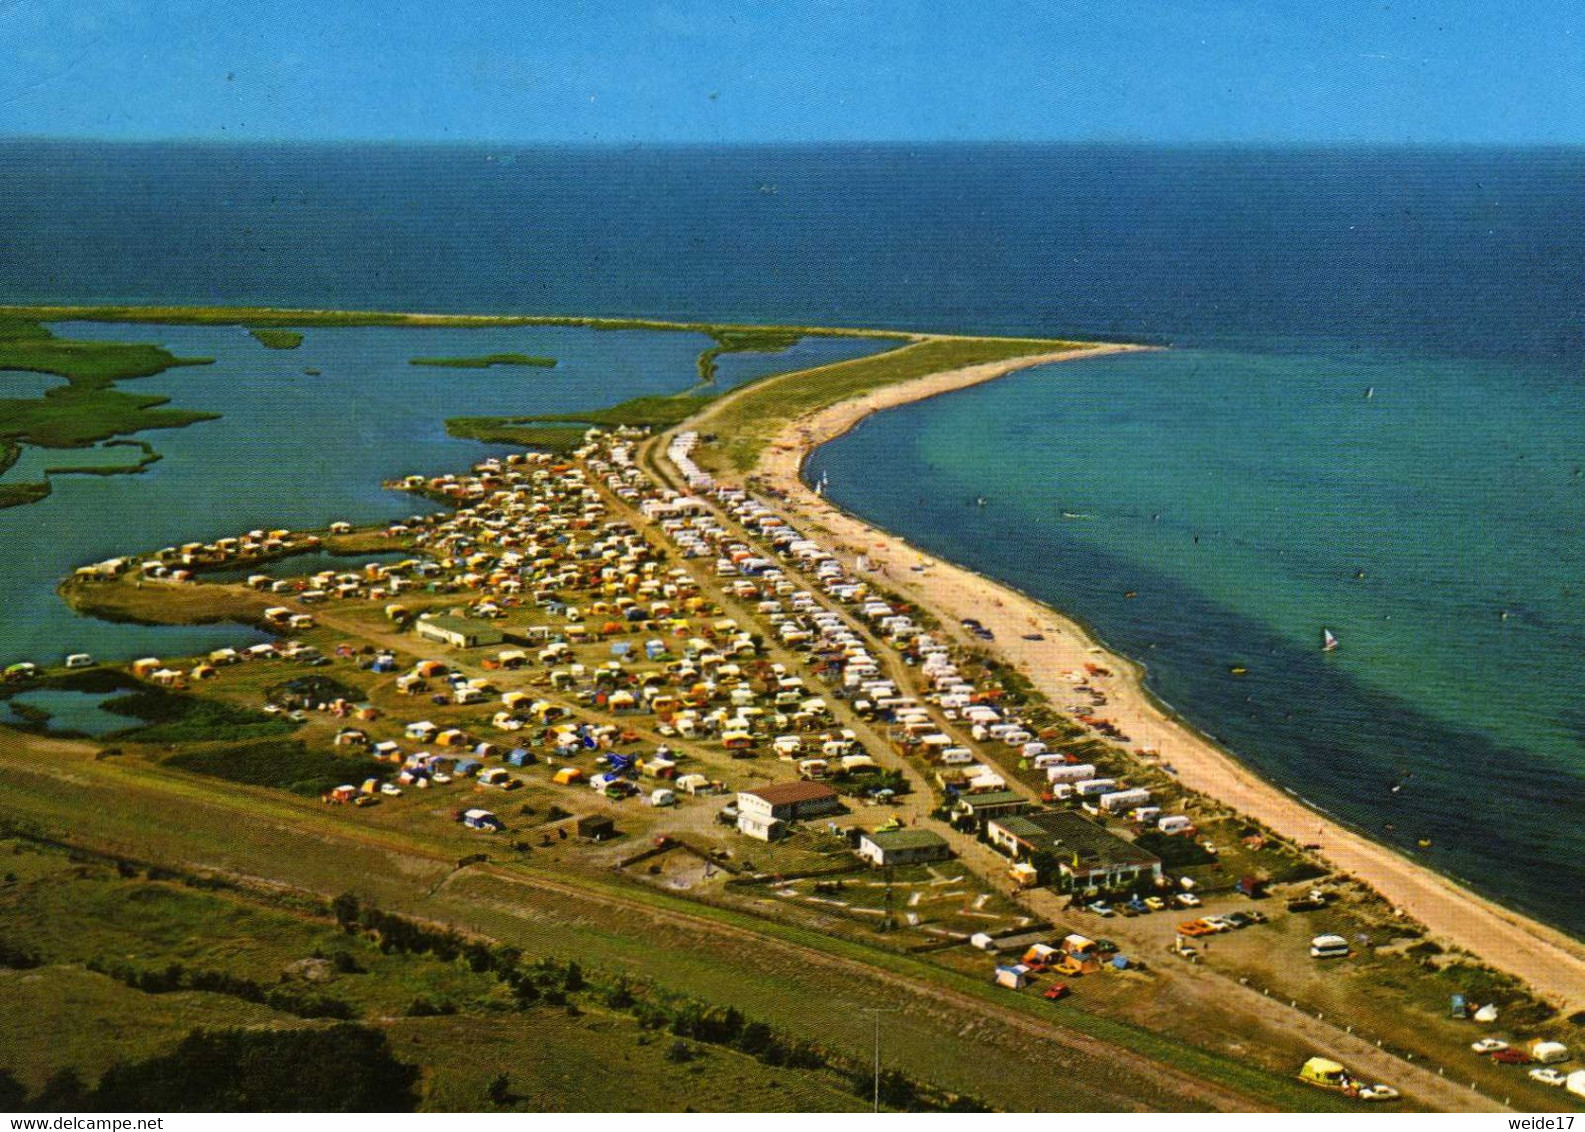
(993, 804)
(903, 847)
(457, 632)
(764, 813)
(1086, 855)
(789, 801)
(596, 827)
(761, 827)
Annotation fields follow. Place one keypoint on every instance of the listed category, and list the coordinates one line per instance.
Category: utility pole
(877, 1011)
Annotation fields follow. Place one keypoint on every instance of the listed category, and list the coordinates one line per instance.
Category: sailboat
(1328, 641)
(1369, 393)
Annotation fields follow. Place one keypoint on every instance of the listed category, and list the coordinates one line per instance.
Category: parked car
(1187, 900)
(1155, 903)
(1488, 1045)
(1549, 1076)
(1058, 991)
(1378, 1093)
(1512, 1057)
(1102, 909)
(391, 788)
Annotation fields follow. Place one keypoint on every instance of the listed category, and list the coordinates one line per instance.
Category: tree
(346, 908)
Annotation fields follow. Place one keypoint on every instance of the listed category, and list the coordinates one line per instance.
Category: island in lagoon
(395, 797)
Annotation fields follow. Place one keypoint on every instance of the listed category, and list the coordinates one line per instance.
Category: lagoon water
(1241, 483)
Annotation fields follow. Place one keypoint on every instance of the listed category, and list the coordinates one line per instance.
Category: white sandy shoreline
(1550, 961)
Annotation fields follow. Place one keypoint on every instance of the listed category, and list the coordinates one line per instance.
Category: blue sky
(795, 70)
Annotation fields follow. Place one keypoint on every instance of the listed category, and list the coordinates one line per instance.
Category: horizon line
(793, 143)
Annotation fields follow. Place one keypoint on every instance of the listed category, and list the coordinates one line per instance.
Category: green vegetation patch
(174, 717)
(87, 409)
(485, 361)
(285, 764)
(277, 339)
(751, 340)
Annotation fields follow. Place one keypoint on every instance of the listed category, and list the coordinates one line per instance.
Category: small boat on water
(1369, 393)
(1328, 641)
(820, 488)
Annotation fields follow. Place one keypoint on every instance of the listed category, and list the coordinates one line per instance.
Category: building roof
(1068, 834)
(791, 793)
(906, 839)
(992, 798)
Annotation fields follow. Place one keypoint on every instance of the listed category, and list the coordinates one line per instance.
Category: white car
(1187, 900)
(1488, 1045)
(391, 788)
(440, 778)
(1220, 923)
(1378, 1093)
(1549, 1076)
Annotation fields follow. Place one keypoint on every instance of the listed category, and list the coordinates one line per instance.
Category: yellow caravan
(1326, 1074)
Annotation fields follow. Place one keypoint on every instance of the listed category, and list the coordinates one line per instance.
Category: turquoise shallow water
(1249, 502)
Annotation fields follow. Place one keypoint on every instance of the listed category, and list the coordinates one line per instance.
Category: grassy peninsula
(755, 340)
(485, 361)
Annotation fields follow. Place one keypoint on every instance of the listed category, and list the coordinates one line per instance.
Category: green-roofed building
(903, 847)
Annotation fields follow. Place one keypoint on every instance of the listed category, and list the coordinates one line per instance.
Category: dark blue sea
(1371, 417)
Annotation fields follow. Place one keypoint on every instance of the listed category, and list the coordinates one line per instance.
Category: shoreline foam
(1549, 960)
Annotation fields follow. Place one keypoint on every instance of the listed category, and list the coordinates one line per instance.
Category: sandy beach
(1552, 962)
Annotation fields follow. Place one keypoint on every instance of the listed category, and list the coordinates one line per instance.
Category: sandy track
(1552, 962)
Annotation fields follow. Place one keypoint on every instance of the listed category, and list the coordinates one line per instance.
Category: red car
(1057, 991)
(1511, 1057)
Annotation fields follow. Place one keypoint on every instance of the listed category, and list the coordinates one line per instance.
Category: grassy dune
(753, 414)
